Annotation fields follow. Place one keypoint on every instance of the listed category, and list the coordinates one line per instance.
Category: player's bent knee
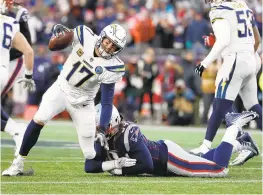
(90, 155)
(38, 122)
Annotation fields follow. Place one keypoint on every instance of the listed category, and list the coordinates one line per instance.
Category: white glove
(103, 141)
(116, 172)
(124, 162)
(29, 83)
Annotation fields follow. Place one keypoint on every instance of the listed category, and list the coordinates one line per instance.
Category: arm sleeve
(222, 41)
(14, 53)
(144, 162)
(107, 93)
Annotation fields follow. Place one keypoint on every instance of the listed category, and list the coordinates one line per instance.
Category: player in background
(14, 45)
(237, 40)
(165, 157)
(92, 63)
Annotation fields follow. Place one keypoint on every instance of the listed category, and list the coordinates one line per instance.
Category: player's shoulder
(84, 33)
(115, 64)
(8, 19)
(131, 135)
(221, 11)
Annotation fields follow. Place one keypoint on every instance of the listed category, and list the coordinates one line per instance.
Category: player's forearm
(107, 93)
(222, 41)
(29, 61)
(93, 166)
(214, 53)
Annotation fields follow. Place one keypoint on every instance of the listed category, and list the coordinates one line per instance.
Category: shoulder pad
(131, 134)
(117, 65)
(218, 14)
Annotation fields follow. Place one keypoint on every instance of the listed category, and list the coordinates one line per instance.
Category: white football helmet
(115, 116)
(117, 34)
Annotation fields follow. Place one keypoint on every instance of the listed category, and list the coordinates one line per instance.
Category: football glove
(124, 162)
(28, 81)
(199, 69)
(209, 40)
(116, 172)
(60, 29)
(103, 140)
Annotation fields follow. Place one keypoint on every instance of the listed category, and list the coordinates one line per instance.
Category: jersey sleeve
(219, 13)
(114, 74)
(81, 33)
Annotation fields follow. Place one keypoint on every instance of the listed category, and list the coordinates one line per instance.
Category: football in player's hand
(60, 42)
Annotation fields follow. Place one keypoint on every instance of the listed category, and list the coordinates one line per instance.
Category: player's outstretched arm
(21, 44)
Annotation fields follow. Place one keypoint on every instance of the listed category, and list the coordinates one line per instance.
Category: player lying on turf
(92, 64)
(133, 153)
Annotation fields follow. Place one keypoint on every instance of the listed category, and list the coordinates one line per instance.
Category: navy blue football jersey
(132, 143)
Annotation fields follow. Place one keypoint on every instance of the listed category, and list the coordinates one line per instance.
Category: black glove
(199, 69)
(59, 28)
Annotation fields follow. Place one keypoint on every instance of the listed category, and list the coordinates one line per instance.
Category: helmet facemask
(117, 35)
(102, 50)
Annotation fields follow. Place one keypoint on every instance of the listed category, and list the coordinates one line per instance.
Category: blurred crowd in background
(164, 45)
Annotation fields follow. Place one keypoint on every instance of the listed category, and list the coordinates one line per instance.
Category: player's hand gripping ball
(209, 40)
(62, 38)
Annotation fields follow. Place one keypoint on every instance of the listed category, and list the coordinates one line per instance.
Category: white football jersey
(83, 73)
(8, 28)
(241, 20)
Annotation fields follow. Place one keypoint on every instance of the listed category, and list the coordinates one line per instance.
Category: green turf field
(59, 168)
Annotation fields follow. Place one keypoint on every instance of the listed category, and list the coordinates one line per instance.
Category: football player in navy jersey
(131, 153)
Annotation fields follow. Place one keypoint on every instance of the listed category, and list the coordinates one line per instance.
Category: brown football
(60, 42)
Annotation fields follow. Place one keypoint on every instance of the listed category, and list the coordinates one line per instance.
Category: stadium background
(164, 45)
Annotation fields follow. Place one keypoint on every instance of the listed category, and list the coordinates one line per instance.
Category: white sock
(236, 146)
(207, 143)
(231, 134)
(10, 127)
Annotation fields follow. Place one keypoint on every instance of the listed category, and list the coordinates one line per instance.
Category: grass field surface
(59, 168)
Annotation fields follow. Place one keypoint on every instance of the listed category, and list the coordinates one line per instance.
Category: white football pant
(54, 101)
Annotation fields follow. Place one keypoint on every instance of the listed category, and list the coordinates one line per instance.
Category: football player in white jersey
(10, 37)
(92, 64)
(237, 40)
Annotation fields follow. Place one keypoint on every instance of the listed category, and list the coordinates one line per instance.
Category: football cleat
(243, 156)
(16, 168)
(240, 119)
(200, 150)
(250, 149)
(18, 137)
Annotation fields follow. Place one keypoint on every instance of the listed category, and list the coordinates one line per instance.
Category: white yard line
(132, 181)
